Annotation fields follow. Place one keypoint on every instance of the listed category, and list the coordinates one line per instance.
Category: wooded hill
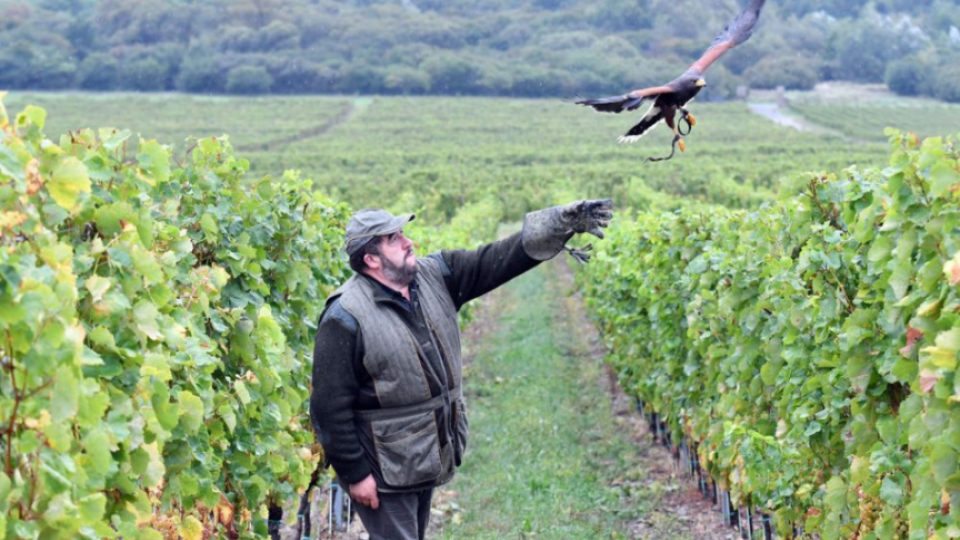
(495, 47)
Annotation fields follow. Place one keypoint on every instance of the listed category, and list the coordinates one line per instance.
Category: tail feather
(615, 104)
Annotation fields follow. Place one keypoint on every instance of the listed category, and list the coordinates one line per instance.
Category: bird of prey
(674, 96)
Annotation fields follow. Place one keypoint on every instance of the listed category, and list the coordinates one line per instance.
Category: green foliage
(98, 72)
(144, 74)
(528, 48)
(810, 347)
(248, 80)
(910, 76)
(199, 73)
(864, 47)
(157, 324)
(793, 73)
(947, 84)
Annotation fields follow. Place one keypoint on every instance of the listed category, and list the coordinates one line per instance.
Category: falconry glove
(546, 232)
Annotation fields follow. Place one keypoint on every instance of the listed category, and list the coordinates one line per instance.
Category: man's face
(399, 263)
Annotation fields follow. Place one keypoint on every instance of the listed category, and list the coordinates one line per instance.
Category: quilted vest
(405, 430)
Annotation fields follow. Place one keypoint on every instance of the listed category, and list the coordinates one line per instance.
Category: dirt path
(780, 116)
(348, 111)
(674, 508)
(776, 115)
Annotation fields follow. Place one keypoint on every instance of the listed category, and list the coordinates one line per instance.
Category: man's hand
(546, 232)
(365, 492)
(588, 216)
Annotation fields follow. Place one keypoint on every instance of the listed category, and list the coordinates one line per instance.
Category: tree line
(530, 48)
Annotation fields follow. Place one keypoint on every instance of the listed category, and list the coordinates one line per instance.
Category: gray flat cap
(370, 223)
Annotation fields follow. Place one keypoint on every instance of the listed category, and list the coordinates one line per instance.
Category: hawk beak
(701, 82)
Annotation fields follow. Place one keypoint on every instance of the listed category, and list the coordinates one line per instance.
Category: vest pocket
(408, 449)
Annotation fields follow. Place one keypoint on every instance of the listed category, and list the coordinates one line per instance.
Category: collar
(382, 293)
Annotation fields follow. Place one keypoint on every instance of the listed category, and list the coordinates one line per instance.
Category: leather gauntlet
(546, 232)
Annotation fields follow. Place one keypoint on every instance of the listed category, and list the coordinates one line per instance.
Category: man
(387, 403)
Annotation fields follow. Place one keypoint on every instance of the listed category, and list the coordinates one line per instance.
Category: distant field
(524, 149)
(455, 150)
(868, 121)
(171, 118)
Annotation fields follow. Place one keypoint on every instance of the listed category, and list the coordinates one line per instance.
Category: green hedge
(809, 347)
(156, 327)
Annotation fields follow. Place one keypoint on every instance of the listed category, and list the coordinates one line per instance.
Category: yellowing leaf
(242, 393)
(191, 529)
(41, 422)
(929, 309)
(949, 340)
(9, 220)
(153, 476)
(952, 270)
(70, 178)
(155, 159)
(942, 178)
(939, 357)
(98, 286)
(219, 276)
(191, 410)
(34, 114)
(156, 365)
(145, 314)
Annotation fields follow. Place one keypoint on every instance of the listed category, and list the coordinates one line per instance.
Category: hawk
(676, 94)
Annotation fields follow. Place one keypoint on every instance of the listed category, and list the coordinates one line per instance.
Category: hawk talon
(580, 255)
(688, 119)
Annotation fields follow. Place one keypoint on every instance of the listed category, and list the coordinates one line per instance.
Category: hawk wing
(626, 102)
(650, 120)
(734, 34)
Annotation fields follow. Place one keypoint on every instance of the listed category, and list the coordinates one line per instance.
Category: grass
(544, 449)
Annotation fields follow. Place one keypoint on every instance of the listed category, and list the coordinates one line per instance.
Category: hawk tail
(615, 104)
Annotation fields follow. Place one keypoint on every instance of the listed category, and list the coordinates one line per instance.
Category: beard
(400, 274)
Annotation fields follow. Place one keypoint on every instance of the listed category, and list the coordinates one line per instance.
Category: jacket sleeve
(335, 389)
(473, 273)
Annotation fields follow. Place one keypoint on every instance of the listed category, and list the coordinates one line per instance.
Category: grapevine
(811, 345)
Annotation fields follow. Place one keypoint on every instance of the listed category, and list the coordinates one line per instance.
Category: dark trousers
(401, 516)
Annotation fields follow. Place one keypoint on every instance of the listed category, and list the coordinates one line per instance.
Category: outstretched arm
(473, 273)
(470, 274)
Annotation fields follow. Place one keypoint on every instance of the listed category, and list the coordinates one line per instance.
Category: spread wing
(626, 102)
(734, 34)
